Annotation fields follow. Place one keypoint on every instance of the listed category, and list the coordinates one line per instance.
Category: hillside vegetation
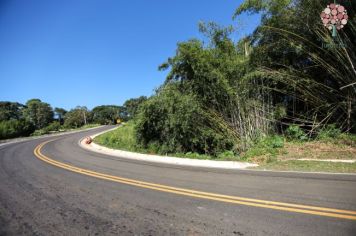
(221, 95)
(260, 97)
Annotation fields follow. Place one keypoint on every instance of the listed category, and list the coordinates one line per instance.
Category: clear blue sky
(96, 52)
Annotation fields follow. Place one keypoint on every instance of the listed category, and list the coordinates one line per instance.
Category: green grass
(265, 150)
(309, 166)
(286, 158)
(342, 140)
(122, 138)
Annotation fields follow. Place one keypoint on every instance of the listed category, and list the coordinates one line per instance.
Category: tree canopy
(10, 110)
(39, 113)
(278, 76)
(77, 117)
(106, 114)
(131, 106)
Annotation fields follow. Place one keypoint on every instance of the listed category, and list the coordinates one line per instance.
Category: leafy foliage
(176, 123)
(77, 117)
(39, 113)
(37, 118)
(329, 132)
(313, 82)
(106, 114)
(265, 149)
(52, 127)
(15, 128)
(132, 107)
(294, 132)
(266, 6)
(10, 110)
(278, 79)
(214, 75)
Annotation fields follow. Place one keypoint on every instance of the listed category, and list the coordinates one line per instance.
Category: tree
(77, 117)
(10, 110)
(60, 113)
(214, 74)
(264, 6)
(15, 128)
(106, 114)
(309, 79)
(132, 106)
(39, 113)
(176, 122)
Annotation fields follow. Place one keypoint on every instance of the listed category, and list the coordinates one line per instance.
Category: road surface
(58, 188)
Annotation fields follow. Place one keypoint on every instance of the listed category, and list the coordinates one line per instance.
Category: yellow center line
(313, 210)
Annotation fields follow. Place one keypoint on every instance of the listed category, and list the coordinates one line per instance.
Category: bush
(54, 126)
(75, 117)
(273, 141)
(330, 131)
(227, 155)
(176, 123)
(294, 132)
(15, 128)
(265, 150)
(346, 139)
(39, 132)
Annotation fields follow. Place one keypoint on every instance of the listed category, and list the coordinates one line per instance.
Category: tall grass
(122, 138)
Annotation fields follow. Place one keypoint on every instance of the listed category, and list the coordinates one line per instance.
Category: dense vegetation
(221, 95)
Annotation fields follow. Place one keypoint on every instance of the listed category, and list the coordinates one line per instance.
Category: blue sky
(96, 52)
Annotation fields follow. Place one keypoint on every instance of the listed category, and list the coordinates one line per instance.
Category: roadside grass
(124, 138)
(318, 150)
(271, 153)
(286, 157)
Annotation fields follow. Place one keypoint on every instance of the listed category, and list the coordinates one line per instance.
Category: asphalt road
(38, 198)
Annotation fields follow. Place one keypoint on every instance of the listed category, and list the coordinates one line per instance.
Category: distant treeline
(37, 117)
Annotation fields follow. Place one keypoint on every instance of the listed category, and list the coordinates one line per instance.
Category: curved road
(136, 198)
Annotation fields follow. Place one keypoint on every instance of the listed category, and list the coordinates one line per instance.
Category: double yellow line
(312, 210)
